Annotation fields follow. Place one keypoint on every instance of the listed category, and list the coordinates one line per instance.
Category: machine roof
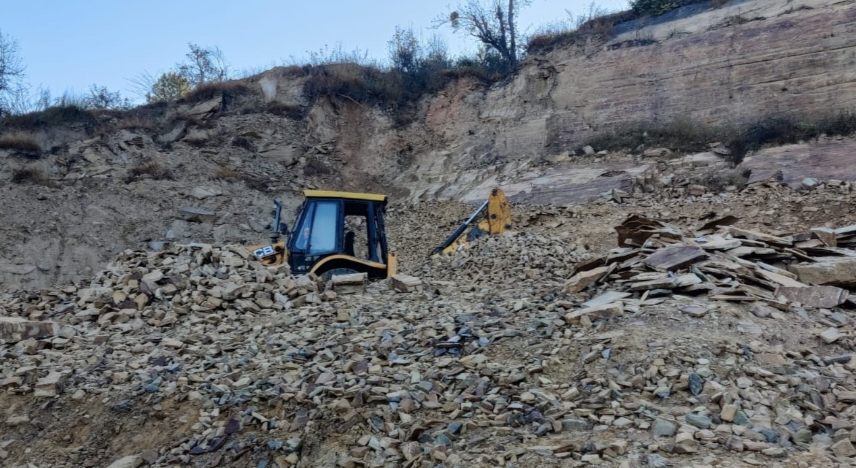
(347, 195)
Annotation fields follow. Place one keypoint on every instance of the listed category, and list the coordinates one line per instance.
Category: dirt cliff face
(208, 170)
(732, 66)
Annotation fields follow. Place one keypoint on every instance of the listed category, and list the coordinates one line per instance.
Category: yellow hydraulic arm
(497, 221)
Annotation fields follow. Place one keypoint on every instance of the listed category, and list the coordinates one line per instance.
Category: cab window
(317, 232)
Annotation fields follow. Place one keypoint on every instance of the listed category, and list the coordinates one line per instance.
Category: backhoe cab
(335, 233)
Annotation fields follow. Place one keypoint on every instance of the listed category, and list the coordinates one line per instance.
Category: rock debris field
(651, 333)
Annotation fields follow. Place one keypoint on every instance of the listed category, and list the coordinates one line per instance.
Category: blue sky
(68, 45)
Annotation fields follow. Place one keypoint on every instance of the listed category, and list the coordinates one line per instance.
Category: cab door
(317, 234)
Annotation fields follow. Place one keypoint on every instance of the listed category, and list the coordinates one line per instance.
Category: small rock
(698, 421)
(843, 449)
(728, 412)
(572, 424)
(656, 461)
(695, 384)
(131, 461)
(663, 428)
(831, 335)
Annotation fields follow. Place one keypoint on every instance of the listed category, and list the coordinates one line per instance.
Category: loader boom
(497, 221)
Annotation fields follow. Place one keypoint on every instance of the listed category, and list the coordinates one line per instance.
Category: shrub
(151, 170)
(21, 142)
(31, 175)
(168, 87)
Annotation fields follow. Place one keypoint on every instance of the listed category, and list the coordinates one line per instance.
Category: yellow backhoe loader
(497, 220)
(324, 241)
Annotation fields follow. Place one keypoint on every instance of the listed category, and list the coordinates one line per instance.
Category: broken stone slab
(694, 310)
(827, 271)
(825, 235)
(51, 385)
(131, 461)
(349, 284)
(201, 193)
(405, 283)
(207, 106)
(604, 312)
(830, 335)
(721, 244)
(174, 134)
(583, 279)
(606, 298)
(814, 296)
(760, 236)
(675, 258)
(780, 279)
(198, 215)
(15, 329)
(688, 279)
(17, 269)
(14, 421)
(843, 449)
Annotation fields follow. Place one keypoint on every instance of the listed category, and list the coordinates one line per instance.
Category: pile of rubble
(488, 356)
(727, 263)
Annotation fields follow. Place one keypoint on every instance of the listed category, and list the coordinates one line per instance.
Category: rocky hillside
(206, 169)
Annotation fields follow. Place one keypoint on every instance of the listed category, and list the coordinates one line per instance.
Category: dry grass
(719, 181)
(150, 170)
(208, 91)
(686, 135)
(286, 110)
(31, 175)
(52, 116)
(137, 123)
(597, 27)
(362, 83)
(230, 174)
(314, 167)
(22, 142)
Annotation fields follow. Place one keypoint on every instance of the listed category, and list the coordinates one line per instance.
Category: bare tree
(405, 52)
(491, 22)
(203, 65)
(100, 97)
(11, 71)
